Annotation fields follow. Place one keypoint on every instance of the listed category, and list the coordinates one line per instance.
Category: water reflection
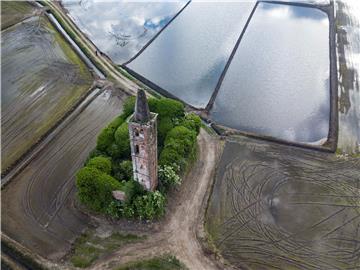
(348, 51)
(278, 82)
(124, 27)
(188, 57)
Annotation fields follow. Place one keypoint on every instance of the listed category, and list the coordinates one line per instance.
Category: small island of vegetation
(109, 165)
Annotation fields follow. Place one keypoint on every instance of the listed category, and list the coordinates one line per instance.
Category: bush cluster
(109, 166)
(180, 144)
(95, 187)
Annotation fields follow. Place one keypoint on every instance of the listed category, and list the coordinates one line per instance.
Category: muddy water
(188, 57)
(38, 204)
(278, 81)
(348, 48)
(41, 79)
(123, 27)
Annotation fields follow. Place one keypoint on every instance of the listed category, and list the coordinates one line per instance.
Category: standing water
(189, 56)
(278, 81)
(123, 27)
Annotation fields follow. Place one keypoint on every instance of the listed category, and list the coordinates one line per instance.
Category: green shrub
(115, 209)
(164, 126)
(103, 164)
(123, 170)
(105, 139)
(132, 189)
(150, 206)
(95, 187)
(179, 144)
(168, 177)
(171, 157)
(164, 262)
(181, 139)
(122, 140)
(128, 107)
(192, 122)
(129, 210)
(106, 136)
(167, 107)
(116, 122)
(95, 153)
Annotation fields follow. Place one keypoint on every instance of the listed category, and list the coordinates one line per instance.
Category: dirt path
(178, 232)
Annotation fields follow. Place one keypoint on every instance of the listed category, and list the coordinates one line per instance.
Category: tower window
(136, 149)
(136, 132)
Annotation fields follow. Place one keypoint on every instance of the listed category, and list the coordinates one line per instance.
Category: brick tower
(143, 141)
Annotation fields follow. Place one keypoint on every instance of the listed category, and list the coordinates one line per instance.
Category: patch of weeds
(165, 262)
(208, 129)
(89, 247)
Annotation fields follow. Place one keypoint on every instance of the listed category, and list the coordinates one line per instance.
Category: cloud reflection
(124, 27)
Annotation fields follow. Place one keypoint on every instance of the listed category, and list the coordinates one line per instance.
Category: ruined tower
(143, 141)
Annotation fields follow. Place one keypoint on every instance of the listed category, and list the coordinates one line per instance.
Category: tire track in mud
(41, 82)
(38, 203)
(284, 208)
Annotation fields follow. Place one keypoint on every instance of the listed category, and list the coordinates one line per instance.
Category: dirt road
(178, 232)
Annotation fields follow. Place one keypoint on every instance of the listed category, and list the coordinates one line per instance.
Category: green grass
(165, 262)
(89, 247)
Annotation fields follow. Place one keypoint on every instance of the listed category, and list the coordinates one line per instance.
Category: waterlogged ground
(42, 78)
(277, 207)
(38, 204)
(14, 11)
(124, 27)
(348, 48)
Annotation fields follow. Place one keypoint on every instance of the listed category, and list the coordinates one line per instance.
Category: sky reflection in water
(121, 28)
(189, 56)
(278, 82)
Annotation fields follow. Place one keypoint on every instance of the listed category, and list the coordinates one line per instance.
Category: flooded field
(124, 27)
(13, 12)
(348, 49)
(39, 207)
(188, 57)
(42, 78)
(277, 207)
(278, 81)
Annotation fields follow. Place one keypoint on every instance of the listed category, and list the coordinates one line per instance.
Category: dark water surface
(121, 28)
(187, 58)
(278, 81)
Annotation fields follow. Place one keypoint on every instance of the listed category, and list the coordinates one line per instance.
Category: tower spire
(142, 112)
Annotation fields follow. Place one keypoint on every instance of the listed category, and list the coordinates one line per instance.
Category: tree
(122, 140)
(95, 188)
(123, 170)
(103, 164)
(192, 122)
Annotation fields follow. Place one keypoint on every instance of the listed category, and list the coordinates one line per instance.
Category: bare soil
(42, 79)
(38, 204)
